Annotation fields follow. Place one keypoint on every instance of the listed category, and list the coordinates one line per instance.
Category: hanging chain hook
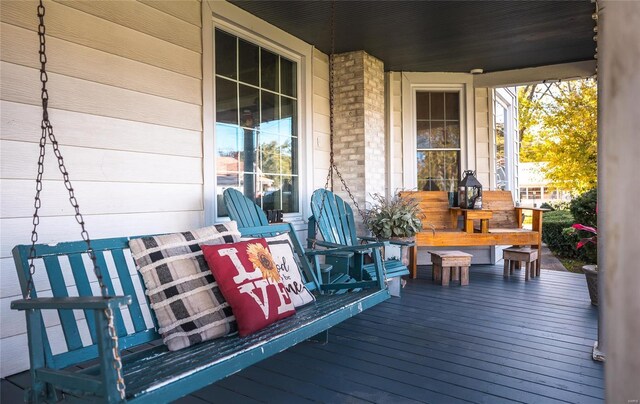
(47, 133)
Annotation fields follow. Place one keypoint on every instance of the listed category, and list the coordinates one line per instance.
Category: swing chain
(332, 165)
(47, 132)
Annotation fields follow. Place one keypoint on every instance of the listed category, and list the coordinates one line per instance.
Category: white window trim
(232, 19)
(413, 82)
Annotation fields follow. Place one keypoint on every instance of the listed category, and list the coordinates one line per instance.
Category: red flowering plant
(584, 241)
(587, 240)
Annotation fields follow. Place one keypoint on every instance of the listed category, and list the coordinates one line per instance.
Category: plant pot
(591, 273)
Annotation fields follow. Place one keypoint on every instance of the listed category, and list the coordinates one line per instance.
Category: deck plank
(496, 340)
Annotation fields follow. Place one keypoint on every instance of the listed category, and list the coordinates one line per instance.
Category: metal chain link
(47, 132)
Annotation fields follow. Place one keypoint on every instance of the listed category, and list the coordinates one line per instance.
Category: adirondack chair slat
(106, 276)
(84, 289)
(59, 288)
(128, 289)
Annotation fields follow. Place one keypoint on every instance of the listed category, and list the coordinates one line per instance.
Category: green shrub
(556, 205)
(554, 235)
(583, 208)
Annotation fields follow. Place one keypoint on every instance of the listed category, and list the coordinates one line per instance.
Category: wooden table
(469, 216)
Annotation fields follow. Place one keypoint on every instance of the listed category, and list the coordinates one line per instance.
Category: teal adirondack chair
(243, 210)
(336, 226)
(247, 214)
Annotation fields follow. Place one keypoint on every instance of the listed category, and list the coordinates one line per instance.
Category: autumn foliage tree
(558, 125)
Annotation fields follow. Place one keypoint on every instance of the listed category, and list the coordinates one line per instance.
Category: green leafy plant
(398, 216)
(584, 208)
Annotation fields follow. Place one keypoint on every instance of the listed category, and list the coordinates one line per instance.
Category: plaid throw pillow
(182, 290)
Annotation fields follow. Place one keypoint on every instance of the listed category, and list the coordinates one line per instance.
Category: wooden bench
(153, 373)
(498, 223)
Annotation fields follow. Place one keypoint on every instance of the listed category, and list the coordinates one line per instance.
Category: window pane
(249, 99)
(422, 105)
(452, 104)
(269, 70)
(437, 134)
(423, 134)
(225, 55)
(288, 114)
(270, 104)
(452, 135)
(229, 143)
(248, 62)
(290, 194)
(288, 149)
(226, 101)
(437, 105)
(270, 153)
(288, 77)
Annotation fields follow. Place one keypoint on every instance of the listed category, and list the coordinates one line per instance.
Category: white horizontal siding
(321, 118)
(125, 88)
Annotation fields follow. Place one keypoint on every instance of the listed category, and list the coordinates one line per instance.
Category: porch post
(619, 197)
(359, 138)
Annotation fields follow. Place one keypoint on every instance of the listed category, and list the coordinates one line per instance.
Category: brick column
(359, 138)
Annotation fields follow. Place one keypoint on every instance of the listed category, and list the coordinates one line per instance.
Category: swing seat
(84, 370)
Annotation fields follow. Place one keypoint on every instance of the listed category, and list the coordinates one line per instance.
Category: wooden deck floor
(493, 341)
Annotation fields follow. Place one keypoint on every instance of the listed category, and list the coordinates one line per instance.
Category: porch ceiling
(454, 36)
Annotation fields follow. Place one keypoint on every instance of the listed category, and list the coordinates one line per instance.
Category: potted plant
(590, 271)
(394, 218)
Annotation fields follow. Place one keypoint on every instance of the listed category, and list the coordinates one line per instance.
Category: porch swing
(333, 219)
(152, 374)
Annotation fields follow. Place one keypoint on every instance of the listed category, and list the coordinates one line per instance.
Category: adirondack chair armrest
(73, 303)
(390, 241)
(323, 243)
(354, 248)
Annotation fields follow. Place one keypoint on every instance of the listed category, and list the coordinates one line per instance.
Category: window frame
(434, 82)
(235, 21)
(508, 100)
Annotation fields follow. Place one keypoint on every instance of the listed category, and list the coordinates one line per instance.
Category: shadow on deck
(493, 341)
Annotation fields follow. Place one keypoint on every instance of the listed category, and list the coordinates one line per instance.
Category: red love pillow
(249, 280)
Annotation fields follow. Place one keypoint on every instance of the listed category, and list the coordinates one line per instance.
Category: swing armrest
(73, 303)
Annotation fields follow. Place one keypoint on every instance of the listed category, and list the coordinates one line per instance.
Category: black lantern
(470, 192)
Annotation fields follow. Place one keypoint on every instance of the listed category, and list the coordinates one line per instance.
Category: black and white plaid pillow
(181, 288)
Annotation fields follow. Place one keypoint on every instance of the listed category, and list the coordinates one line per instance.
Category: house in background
(535, 189)
(147, 96)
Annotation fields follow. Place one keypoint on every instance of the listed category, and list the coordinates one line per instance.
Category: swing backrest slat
(84, 288)
(126, 281)
(59, 289)
(106, 277)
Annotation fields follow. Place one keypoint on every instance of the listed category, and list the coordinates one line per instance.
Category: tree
(558, 125)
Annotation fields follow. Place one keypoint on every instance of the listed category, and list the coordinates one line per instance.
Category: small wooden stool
(528, 255)
(454, 264)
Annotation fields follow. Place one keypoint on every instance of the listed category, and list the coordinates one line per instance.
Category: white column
(619, 197)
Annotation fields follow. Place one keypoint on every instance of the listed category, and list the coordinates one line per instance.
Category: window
(502, 171)
(438, 140)
(256, 124)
